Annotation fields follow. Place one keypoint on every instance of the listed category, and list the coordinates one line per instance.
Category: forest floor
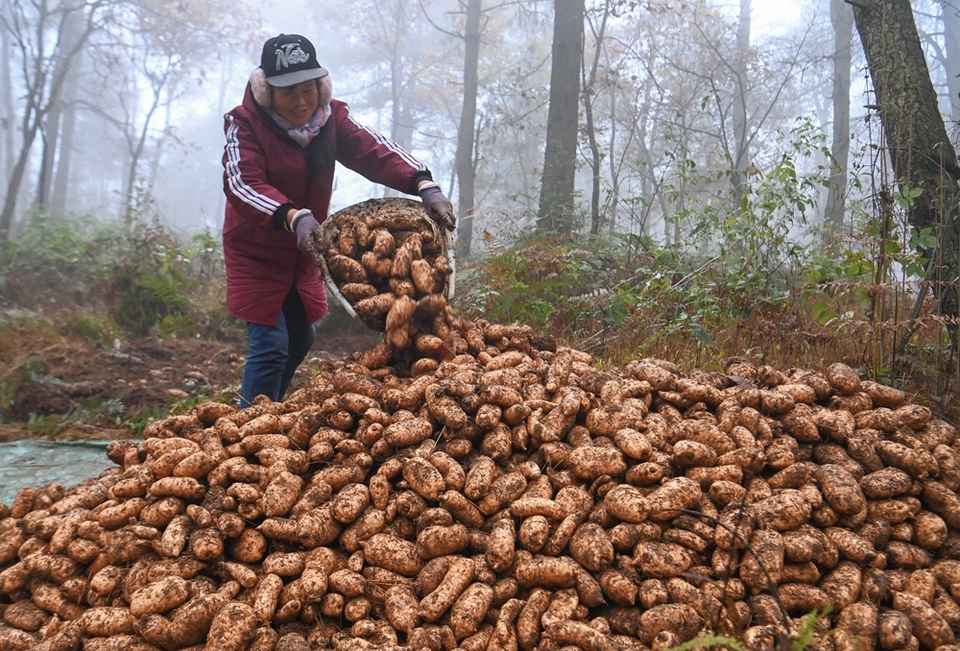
(96, 392)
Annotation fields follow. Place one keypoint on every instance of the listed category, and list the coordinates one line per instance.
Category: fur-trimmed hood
(263, 95)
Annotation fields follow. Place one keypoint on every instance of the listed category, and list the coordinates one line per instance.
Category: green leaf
(822, 313)
(709, 640)
(926, 239)
(703, 336)
(915, 269)
(852, 268)
(808, 628)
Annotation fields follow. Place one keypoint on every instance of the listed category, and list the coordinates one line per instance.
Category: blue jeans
(276, 352)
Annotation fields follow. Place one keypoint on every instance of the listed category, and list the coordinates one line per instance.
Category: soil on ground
(88, 391)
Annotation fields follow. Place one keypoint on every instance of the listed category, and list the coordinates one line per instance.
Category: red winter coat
(265, 174)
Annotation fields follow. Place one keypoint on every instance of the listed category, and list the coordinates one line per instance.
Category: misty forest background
(670, 178)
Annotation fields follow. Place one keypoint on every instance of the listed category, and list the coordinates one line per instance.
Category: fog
(139, 117)
(188, 190)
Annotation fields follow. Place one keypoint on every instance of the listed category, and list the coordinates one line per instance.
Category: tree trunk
(60, 186)
(589, 93)
(13, 185)
(741, 154)
(61, 180)
(159, 85)
(556, 211)
(613, 162)
(841, 17)
(400, 128)
(51, 124)
(50, 135)
(465, 162)
(7, 111)
(919, 148)
(45, 86)
(136, 154)
(156, 157)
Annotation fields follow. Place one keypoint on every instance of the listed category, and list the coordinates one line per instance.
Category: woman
(282, 145)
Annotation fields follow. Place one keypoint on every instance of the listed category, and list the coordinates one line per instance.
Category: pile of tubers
(512, 497)
(472, 486)
(392, 266)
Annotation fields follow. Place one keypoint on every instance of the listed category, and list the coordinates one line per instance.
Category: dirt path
(97, 388)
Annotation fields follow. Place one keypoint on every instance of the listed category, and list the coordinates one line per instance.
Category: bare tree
(160, 82)
(512, 112)
(841, 17)
(679, 78)
(598, 32)
(60, 186)
(7, 110)
(950, 18)
(50, 128)
(393, 18)
(398, 68)
(165, 47)
(466, 135)
(938, 25)
(662, 90)
(741, 127)
(44, 67)
(556, 212)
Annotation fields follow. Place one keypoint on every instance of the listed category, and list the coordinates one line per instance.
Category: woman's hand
(309, 234)
(438, 206)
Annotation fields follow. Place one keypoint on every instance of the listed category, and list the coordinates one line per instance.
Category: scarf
(302, 135)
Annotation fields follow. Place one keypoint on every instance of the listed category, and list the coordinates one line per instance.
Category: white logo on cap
(291, 55)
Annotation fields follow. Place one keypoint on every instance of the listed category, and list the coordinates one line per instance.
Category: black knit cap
(290, 59)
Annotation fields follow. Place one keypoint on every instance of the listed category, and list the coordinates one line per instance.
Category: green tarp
(38, 463)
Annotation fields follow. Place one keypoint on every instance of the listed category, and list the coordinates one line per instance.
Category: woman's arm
(245, 178)
(374, 155)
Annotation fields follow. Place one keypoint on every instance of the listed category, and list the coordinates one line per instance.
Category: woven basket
(371, 207)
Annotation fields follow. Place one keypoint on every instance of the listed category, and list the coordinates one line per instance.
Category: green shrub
(138, 278)
(94, 328)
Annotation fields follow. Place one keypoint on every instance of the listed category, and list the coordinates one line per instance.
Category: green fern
(805, 634)
(709, 641)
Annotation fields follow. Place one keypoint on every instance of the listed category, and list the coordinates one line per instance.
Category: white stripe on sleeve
(392, 146)
(238, 186)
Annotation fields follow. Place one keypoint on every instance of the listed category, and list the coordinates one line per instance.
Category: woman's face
(296, 104)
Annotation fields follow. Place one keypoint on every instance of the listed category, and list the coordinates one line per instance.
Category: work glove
(309, 234)
(438, 206)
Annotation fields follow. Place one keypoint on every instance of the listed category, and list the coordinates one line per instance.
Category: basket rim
(330, 231)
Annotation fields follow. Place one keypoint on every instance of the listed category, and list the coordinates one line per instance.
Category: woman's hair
(322, 150)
